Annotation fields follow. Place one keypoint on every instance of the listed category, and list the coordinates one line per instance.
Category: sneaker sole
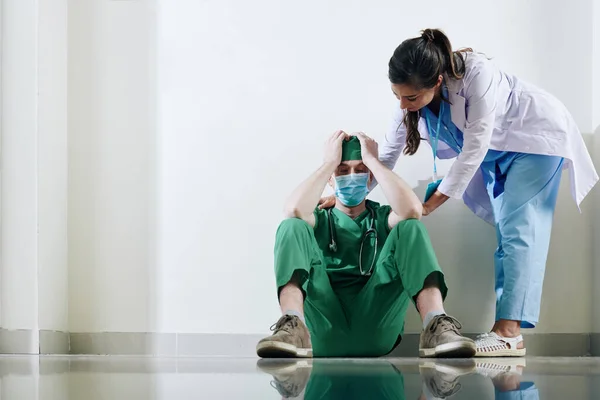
(281, 350)
(282, 366)
(450, 350)
(455, 367)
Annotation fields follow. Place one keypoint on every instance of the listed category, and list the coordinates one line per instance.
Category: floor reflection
(192, 378)
(387, 378)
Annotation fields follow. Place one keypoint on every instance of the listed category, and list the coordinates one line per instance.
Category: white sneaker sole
(502, 353)
(450, 350)
(273, 349)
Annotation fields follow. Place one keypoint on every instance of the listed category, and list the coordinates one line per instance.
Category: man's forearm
(399, 194)
(305, 197)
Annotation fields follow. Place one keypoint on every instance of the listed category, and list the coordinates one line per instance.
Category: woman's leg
(523, 192)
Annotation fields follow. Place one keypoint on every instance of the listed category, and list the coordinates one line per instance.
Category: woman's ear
(439, 81)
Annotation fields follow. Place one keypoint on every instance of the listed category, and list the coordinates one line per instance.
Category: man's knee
(292, 228)
(293, 224)
(407, 226)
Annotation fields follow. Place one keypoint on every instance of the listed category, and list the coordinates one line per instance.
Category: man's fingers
(363, 138)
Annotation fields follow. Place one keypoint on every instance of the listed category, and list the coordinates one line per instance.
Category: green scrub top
(342, 265)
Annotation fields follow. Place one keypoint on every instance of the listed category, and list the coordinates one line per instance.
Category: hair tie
(428, 35)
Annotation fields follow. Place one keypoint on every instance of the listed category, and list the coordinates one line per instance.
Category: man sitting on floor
(346, 275)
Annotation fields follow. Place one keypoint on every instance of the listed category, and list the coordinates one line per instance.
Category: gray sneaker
(289, 377)
(290, 339)
(441, 379)
(442, 339)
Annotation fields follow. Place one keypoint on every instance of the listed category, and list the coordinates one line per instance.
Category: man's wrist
(330, 166)
(372, 163)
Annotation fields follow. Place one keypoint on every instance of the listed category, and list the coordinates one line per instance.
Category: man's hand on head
(333, 148)
(368, 148)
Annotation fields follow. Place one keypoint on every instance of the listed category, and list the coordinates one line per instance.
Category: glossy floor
(90, 378)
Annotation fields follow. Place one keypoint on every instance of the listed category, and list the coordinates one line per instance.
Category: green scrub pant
(370, 323)
(354, 381)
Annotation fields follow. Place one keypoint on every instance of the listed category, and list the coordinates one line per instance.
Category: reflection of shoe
(441, 378)
(290, 377)
(442, 338)
(290, 339)
(505, 373)
(497, 366)
(492, 345)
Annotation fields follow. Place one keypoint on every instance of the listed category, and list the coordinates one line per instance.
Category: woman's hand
(425, 210)
(436, 200)
(327, 202)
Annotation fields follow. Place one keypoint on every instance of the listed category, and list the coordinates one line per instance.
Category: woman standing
(511, 141)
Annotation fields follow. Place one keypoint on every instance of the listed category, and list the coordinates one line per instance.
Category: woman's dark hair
(418, 62)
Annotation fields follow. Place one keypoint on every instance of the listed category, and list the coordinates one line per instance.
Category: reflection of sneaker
(496, 366)
(289, 377)
(290, 339)
(441, 378)
(504, 373)
(442, 338)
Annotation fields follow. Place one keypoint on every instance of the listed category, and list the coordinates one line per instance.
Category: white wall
(596, 123)
(176, 176)
(596, 63)
(596, 239)
(34, 158)
(52, 165)
(111, 160)
(248, 89)
(19, 165)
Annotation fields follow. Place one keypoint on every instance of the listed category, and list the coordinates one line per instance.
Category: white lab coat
(497, 111)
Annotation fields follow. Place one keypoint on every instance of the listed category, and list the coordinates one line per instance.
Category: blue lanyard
(435, 136)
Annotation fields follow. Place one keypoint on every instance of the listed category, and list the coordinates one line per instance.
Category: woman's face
(412, 99)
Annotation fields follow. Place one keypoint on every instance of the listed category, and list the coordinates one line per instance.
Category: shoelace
(446, 323)
(286, 390)
(446, 389)
(285, 323)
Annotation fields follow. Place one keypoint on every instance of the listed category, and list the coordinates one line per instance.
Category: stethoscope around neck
(371, 231)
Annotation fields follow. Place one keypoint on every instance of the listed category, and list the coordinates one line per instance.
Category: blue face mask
(351, 189)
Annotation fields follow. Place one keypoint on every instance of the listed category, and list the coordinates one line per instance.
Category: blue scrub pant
(523, 189)
(526, 391)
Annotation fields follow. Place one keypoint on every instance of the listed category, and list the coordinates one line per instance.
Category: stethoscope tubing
(333, 245)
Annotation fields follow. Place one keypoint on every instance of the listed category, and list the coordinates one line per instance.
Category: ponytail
(451, 62)
(419, 62)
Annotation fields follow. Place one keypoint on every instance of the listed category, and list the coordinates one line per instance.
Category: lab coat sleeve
(394, 141)
(480, 95)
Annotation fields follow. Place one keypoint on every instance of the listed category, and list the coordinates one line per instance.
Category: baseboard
(124, 343)
(595, 344)
(164, 344)
(54, 342)
(24, 341)
(222, 345)
(21, 341)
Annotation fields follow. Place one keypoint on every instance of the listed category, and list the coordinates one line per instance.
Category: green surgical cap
(351, 149)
